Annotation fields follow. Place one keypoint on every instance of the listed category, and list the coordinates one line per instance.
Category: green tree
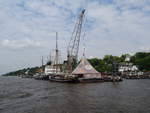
(142, 60)
(98, 64)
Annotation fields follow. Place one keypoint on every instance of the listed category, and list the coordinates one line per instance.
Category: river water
(23, 95)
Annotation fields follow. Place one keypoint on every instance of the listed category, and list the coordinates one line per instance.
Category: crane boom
(73, 46)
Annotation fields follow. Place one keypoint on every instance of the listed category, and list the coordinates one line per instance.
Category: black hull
(63, 80)
(91, 80)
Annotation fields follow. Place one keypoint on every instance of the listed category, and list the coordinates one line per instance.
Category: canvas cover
(85, 68)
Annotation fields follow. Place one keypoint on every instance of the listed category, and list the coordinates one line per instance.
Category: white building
(129, 69)
(49, 69)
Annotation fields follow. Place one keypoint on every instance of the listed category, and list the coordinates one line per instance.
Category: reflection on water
(32, 96)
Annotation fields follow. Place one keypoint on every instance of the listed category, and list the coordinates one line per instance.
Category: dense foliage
(142, 60)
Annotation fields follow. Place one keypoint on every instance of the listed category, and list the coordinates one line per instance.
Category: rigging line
(84, 35)
(70, 42)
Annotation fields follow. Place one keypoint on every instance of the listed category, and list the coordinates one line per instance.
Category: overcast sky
(27, 28)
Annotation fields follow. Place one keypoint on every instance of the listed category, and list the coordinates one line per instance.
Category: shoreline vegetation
(140, 59)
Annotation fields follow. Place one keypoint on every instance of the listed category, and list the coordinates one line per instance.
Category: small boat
(58, 78)
(112, 79)
(41, 77)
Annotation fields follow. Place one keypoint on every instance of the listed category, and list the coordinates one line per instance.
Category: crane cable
(84, 36)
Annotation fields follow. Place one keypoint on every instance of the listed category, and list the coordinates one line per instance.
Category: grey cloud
(19, 44)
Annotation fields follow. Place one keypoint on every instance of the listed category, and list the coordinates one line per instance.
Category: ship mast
(56, 54)
(42, 65)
